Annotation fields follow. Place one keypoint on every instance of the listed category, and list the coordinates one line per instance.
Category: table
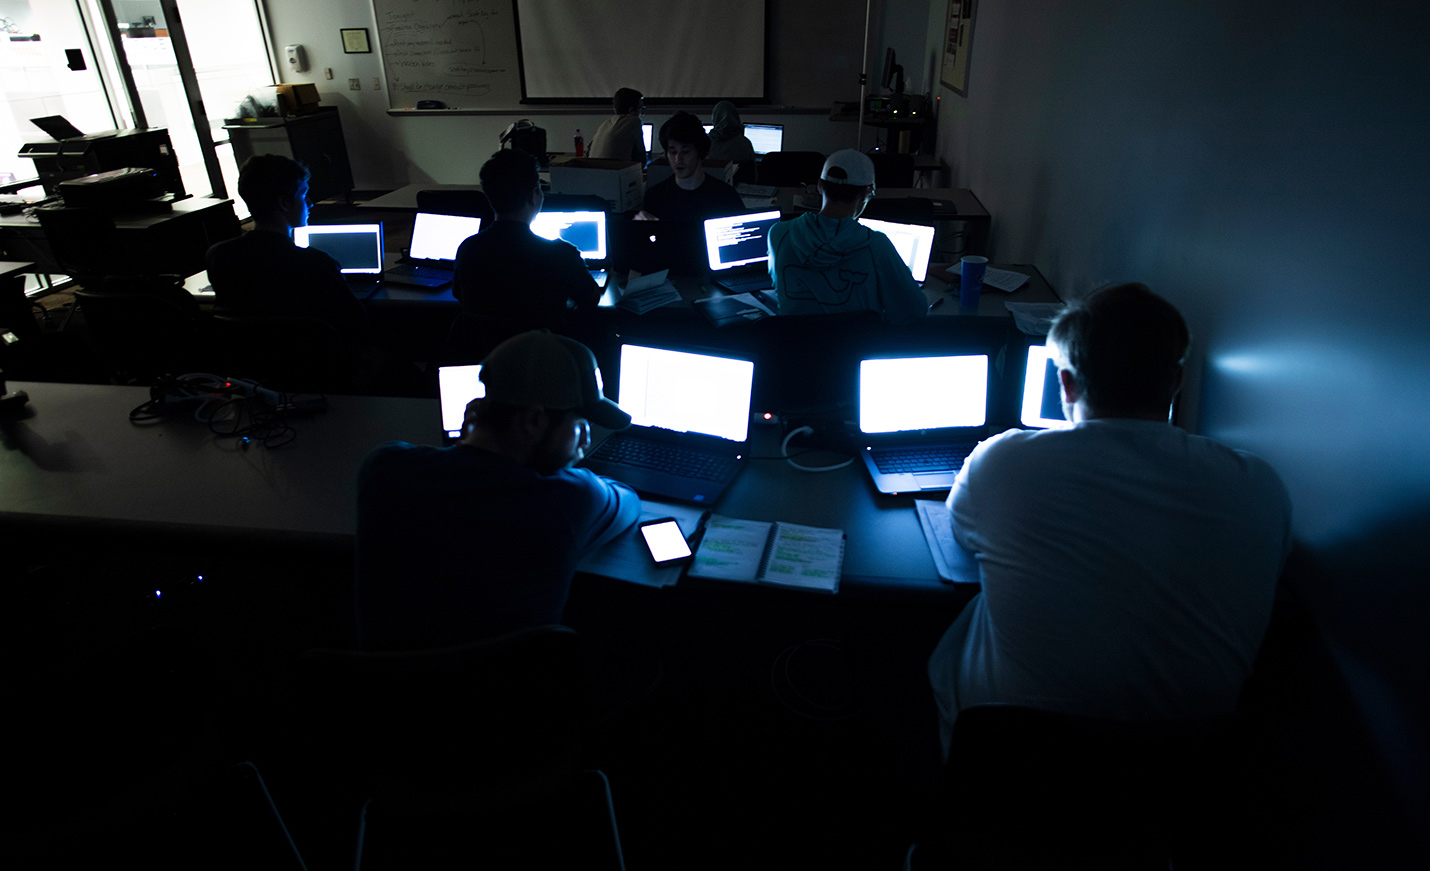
(75, 466)
(174, 241)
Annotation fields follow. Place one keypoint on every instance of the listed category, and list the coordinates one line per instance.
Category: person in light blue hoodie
(828, 263)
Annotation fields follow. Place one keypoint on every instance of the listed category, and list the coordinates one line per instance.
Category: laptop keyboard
(937, 458)
(664, 458)
(757, 280)
(436, 273)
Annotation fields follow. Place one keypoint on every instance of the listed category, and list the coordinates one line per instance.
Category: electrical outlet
(354, 84)
(376, 83)
(328, 73)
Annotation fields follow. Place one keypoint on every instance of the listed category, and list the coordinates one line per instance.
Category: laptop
(766, 137)
(920, 417)
(60, 129)
(356, 247)
(1042, 393)
(431, 260)
(690, 423)
(738, 250)
(584, 229)
(647, 135)
(457, 386)
(914, 242)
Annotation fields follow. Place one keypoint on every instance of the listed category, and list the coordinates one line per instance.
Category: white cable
(784, 452)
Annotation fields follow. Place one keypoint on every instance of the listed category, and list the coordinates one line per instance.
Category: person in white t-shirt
(1128, 568)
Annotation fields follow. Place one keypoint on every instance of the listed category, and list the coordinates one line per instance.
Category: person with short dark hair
(507, 274)
(263, 273)
(829, 263)
(481, 538)
(619, 137)
(1127, 567)
(690, 194)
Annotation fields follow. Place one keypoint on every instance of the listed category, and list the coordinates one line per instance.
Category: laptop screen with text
(356, 247)
(914, 242)
(585, 230)
(766, 137)
(922, 393)
(437, 237)
(686, 392)
(739, 240)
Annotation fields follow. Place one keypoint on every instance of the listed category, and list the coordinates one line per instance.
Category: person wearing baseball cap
(829, 263)
(481, 538)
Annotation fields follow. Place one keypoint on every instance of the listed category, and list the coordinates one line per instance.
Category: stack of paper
(641, 293)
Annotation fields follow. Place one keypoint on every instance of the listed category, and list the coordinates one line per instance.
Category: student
(263, 273)
(481, 538)
(619, 137)
(1127, 567)
(828, 263)
(727, 135)
(508, 275)
(690, 194)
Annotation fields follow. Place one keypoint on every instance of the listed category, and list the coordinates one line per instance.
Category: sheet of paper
(731, 549)
(1005, 280)
(1034, 318)
(806, 556)
(625, 557)
(750, 299)
(954, 564)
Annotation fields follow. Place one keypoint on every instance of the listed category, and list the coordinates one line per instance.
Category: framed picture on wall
(355, 40)
(957, 43)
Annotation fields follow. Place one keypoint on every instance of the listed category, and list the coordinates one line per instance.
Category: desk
(77, 466)
(175, 241)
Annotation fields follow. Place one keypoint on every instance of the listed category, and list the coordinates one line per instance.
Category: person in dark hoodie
(829, 263)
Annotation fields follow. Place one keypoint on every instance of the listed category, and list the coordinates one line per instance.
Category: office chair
(471, 337)
(290, 353)
(438, 745)
(139, 330)
(472, 204)
(904, 210)
(1028, 788)
(893, 170)
(791, 168)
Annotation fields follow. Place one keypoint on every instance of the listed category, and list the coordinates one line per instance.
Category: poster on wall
(957, 43)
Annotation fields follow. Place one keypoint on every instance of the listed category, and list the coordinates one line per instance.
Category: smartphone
(665, 541)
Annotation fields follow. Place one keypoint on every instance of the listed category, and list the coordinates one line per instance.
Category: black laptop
(920, 417)
(690, 414)
(356, 247)
(431, 259)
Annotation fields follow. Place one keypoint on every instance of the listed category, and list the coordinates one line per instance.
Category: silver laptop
(920, 417)
(356, 247)
(914, 242)
(737, 248)
(690, 414)
(431, 259)
(457, 386)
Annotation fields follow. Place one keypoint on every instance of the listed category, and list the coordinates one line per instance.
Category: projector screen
(576, 49)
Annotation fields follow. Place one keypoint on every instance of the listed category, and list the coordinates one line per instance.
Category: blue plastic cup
(970, 284)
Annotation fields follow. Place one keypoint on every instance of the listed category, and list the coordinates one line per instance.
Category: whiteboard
(461, 52)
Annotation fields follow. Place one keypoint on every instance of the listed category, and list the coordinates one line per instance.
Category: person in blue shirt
(826, 262)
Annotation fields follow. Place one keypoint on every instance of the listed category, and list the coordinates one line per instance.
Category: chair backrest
(296, 354)
(791, 168)
(904, 210)
(472, 204)
(85, 244)
(138, 333)
(454, 729)
(893, 170)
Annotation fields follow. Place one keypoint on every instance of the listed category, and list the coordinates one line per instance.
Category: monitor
(914, 242)
(356, 247)
(585, 230)
(648, 136)
(1042, 393)
(437, 237)
(766, 137)
(685, 391)
(456, 387)
(739, 240)
(921, 393)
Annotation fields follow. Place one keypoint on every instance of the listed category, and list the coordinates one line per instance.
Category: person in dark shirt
(507, 277)
(690, 194)
(263, 273)
(479, 539)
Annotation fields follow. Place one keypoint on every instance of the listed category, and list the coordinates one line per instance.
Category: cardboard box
(298, 99)
(618, 182)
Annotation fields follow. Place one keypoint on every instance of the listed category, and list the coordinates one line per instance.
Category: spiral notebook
(782, 554)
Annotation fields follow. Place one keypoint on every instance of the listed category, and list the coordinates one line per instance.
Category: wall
(388, 152)
(1263, 166)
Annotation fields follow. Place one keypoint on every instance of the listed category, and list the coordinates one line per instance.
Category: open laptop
(738, 250)
(920, 417)
(356, 247)
(584, 229)
(914, 242)
(457, 386)
(431, 260)
(1042, 394)
(690, 423)
(60, 129)
(766, 137)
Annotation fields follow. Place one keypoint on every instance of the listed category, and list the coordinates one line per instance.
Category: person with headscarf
(727, 135)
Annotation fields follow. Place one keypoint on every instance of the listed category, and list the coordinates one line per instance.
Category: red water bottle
(580, 144)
